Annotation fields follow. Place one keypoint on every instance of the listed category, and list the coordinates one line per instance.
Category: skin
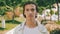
(30, 12)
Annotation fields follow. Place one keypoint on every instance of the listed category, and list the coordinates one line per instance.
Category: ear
(36, 15)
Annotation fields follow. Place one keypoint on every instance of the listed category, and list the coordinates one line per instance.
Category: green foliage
(41, 9)
(45, 2)
(2, 4)
(2, 11)
(51, 12)
(1, 28)
(58, 22)
(11, 21)
(56, 31)
(16, 2)
(13, 2)
(22, 4)
(56, 13)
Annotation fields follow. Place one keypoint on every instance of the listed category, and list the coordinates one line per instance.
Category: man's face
(30, 11)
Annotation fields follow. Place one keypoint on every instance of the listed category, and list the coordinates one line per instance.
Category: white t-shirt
(28, 30)
(22, 29)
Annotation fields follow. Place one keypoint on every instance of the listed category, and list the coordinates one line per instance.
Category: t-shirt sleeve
(17, 29)
(14, 30)
(43, 29)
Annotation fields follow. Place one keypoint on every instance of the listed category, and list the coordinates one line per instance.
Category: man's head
(30, 9)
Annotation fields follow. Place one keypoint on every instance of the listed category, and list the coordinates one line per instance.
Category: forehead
(30, 6)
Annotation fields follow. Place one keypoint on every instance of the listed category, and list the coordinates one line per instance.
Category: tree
(13, 4)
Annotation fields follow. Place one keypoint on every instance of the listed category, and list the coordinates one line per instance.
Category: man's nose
(30, 11)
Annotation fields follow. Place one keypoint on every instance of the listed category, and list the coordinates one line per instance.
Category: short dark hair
(29, 2)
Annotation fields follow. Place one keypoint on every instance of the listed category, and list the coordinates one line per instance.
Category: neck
(31, 23)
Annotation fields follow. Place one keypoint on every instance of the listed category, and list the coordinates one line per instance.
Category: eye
(32, 9)
(27, 9)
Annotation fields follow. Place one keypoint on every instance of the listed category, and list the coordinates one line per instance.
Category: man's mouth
(30, 15)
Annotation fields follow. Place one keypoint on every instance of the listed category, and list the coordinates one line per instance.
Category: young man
(31, 25)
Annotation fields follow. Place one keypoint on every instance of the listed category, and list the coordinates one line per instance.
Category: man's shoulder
(19, 27)
(42, 28)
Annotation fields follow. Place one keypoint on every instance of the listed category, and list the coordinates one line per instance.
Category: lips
(30, 15)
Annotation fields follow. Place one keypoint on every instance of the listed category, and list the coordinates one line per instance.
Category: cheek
(26, 13)
(35, 13)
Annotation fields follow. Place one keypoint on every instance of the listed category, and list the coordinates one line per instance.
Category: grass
(8, 26)
(58, 22)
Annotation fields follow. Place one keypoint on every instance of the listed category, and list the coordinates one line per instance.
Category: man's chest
(31, 31)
